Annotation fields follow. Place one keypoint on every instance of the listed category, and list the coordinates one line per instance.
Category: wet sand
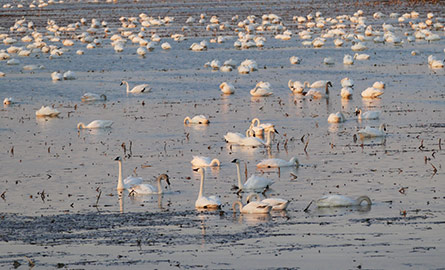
(68, 226)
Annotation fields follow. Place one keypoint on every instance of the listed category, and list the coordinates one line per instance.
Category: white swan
(277, 204)
(145, 189)
(211, 202)
(255, 142)
(56, 76)
(294, 60)
(96, 124)
(92, 97)
(369, 132)
(337, 117)
(227, 88)
(359, 47)
(316, 94)
(348, 60)
(347, 82)
(69, 75)
(379, 85)
(197, 119)
(346, 92)
(8, 101)
(278, 162)
(254, 183)
(297, 87)
(341, 201)
(141, 88)
(257, 129)
(201, 161)
(372, 92)
(362, 56)
(235, 137)
(262, 89)
(129, 181)
(369, 115)
(47, 111)
(254, 207)
(319, 84)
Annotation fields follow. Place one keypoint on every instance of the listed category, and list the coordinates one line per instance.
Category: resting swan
(96, 124)
(297, 87)
(276, 203)
(262, 89)
(369, 115)
(341, 201)
(201, 161)
(235, 137)
(146, 189)
(47, 111)
(227, 88)
(141, 88)
(277, 163)
(257, 129)
(255, 142)
(337, 117)
(252, 207)
(211, 202)
(197, 119)
(254, 183)
(369, 132)
(92, 97)
(314, 93)
(372, 92)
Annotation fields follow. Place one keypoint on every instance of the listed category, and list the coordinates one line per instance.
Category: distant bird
(197, 119)
(369, 132)
(201, 161)
(96, 124)
(141, 88)
(337, 117)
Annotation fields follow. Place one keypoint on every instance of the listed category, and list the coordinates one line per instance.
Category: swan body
(262, 89)
(254, 183)
(69, 75)
(197, 119)
(255, 142)
(369, 132)
(346, 92)
(211, 202)
(141, 88)
(93, 97)
(358, 47)
(341, 201)
(235, 137)
(277, 204)
(362, 56)
(369, 115)
(278, 162)
(294, 60)
(227, 88)
(319, 84)
(56, 76)
(201, 161)
(372, 92)
(346, 82)
(47, 111)
(254, 207)
(337, 117)
(8, 101)
(348, 60)
(328, 61)
(132, 181)
(146, 189)
(96, 124)
(317, 94)
(379, 85)
(296, 87)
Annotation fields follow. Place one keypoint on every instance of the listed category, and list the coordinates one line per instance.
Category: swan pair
(254, 183)
(339, 201)
(255, 141)
(211, 202)
(141, 88)
(201, 161)
(369, 132)
(197, 119)
(135, 186)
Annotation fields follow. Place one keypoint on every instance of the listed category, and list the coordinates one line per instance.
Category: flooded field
(59, 203)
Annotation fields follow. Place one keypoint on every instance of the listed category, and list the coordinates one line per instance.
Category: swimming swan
(255, 142)
(372, 92)
(92, 97)
(254, 183)
(129, 181)
(141, 88)
(145, 189)
(337, 117)
(369, 132)
(197, 119)
(277, 163)
(341, 201)
(96, 124)
(276, 203)
(369, 115)
(211, 202)
(262, 89)
(235, 137)
(201, 161)
(47, 111)
(314, 93)
(254, 207)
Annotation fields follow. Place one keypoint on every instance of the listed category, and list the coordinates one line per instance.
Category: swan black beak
(276, 131)
(235, 160)
(196, 169)
(122, 83)
(167, 180)
(118, 158)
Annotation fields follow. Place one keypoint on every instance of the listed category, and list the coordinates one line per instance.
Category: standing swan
(254, 183)
(141, 88)
(145, 189)
(96, 124)
(211, 202)
(200, 161)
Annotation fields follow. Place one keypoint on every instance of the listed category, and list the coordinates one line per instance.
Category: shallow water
(79, 221)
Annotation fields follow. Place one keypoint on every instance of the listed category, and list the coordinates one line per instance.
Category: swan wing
(132, 181)
(257, 183)
(276, 203)
(200, 161)
(141, 88)
(334, 201)
(143, 189)
(256, 207)
(233, 137)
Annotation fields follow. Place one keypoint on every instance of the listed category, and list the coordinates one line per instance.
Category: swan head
(103, 96)
(118, 158)
(383, 127)
(358, 111)
(236, 161)
(295, 160)
(122, 82)
(80, 125)
(165, 178)
(329, 84)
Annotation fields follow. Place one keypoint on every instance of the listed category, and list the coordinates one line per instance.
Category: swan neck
(252, 196)
(327, 88)
(362, 199)
(268, 137)
(201, 187)
(240, 185)
(80, 125)
(235, 204)
(128, 86)
(187, 119)
(215, 162)
(120, 184)
(257, 121)
(159, 185)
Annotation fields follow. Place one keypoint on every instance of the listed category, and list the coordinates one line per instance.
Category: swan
(372, 92)
(341, 201)
(227, 88)
(369, 132)
(141, 88)
(96, 124)
(258, 129)
(358, 47)
(362, 56)
(346, 82)
(254, 183)
(128, 182)
(328, 61)
(252, 207)
(297, 87)
(294, 60)
(370, 115)
(379, 85)
(197, 119)
(277, 204)
(319, 84)
(69, 75)
(145, 189)
(261, 89)
(93, 97)
(346, 92)
(8, 101)
(47, 111)
(278, 162)
(337, 117)
(348, 60)
(211, 202)
(314, 93)
(235, 137)
(201, 161)
(255, 142)
(56, 76)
